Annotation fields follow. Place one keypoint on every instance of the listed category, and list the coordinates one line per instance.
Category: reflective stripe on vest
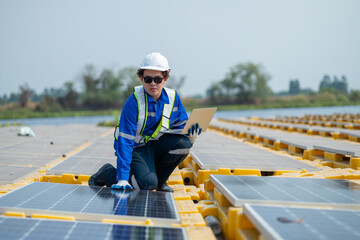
(142, 102)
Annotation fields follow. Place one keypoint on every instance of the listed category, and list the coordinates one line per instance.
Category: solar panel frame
(214, 151)
(303, 223)
(296, 139)
(255, 193)
(290, 142)
(336, 148)
(263, 165)
(91, 203)
(353, 133)
(30, 228)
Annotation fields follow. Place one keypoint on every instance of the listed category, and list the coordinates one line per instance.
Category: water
(219, 114)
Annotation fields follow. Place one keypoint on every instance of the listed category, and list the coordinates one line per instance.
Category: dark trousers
(151, 164)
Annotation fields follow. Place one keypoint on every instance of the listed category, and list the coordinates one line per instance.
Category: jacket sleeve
(179, 116)
(127, 133)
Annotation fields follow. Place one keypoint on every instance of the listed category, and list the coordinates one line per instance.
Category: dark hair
(140, 73)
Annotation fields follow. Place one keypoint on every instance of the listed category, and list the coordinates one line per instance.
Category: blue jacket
(128, 123)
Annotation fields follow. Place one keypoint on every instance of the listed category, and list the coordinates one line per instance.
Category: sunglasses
(149, 79)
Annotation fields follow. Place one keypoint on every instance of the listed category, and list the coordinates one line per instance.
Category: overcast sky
(45, 43)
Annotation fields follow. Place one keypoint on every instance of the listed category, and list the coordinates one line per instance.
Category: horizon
(47, 43)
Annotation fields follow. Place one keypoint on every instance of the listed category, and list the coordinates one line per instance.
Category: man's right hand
(122, 184)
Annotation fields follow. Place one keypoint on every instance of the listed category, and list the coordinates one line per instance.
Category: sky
(45, 43)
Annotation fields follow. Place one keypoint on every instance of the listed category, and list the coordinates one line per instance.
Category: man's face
(153, 89)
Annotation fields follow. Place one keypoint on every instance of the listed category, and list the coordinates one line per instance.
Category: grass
(12, 124)
(107, 124)
(234, 107)
(16, 113)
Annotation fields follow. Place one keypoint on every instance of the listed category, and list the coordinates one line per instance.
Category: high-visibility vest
(164, 124)
(142, 102)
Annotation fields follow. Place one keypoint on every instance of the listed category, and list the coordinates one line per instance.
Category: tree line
(246, 83)
(107, 90)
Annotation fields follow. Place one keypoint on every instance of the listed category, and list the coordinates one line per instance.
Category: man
(145, 156)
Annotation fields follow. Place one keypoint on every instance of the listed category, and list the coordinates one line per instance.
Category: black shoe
(106, 175)
(91, 181)
(164, 188)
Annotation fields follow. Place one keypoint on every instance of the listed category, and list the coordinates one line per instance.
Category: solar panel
(289, 125)
(98, 150)
(9, 174)
(21, 156)
(89, 160)
(296, 139)
(280, 190)
(292, 139)
(303, 223)
(86, 202)
(81, 165)
(25, 159)
(25, 228)
(213, 151)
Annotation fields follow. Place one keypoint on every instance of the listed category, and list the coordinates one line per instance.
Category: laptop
(202, 116)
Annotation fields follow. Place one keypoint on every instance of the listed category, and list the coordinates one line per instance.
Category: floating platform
(256, 181)
(303, 223)
(340, 153)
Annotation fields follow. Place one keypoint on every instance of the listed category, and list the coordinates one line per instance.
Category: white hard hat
(155, 61)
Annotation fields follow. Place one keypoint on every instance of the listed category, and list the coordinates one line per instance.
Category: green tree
(340, 85)
(130, 79)
(69, 101)
(48, 104)
(354, 95)
(215, 94)
(335, 86)
(4, 99)
(14, 97)
(90, 95)
(325, 83)
(247, 82)
(294, 87)
(110, 84)
(109, 90)
(176, 83)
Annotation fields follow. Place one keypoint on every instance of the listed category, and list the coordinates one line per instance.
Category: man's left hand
(194, 132)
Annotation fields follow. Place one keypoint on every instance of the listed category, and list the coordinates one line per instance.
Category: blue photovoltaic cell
(251, 189)
(25, 228)
(85, 199)
(303, 223)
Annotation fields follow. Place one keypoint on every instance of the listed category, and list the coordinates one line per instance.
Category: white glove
(194, 132)
(122, 184)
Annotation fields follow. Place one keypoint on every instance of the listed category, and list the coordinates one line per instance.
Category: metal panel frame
(239, 203)
(92, 216)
